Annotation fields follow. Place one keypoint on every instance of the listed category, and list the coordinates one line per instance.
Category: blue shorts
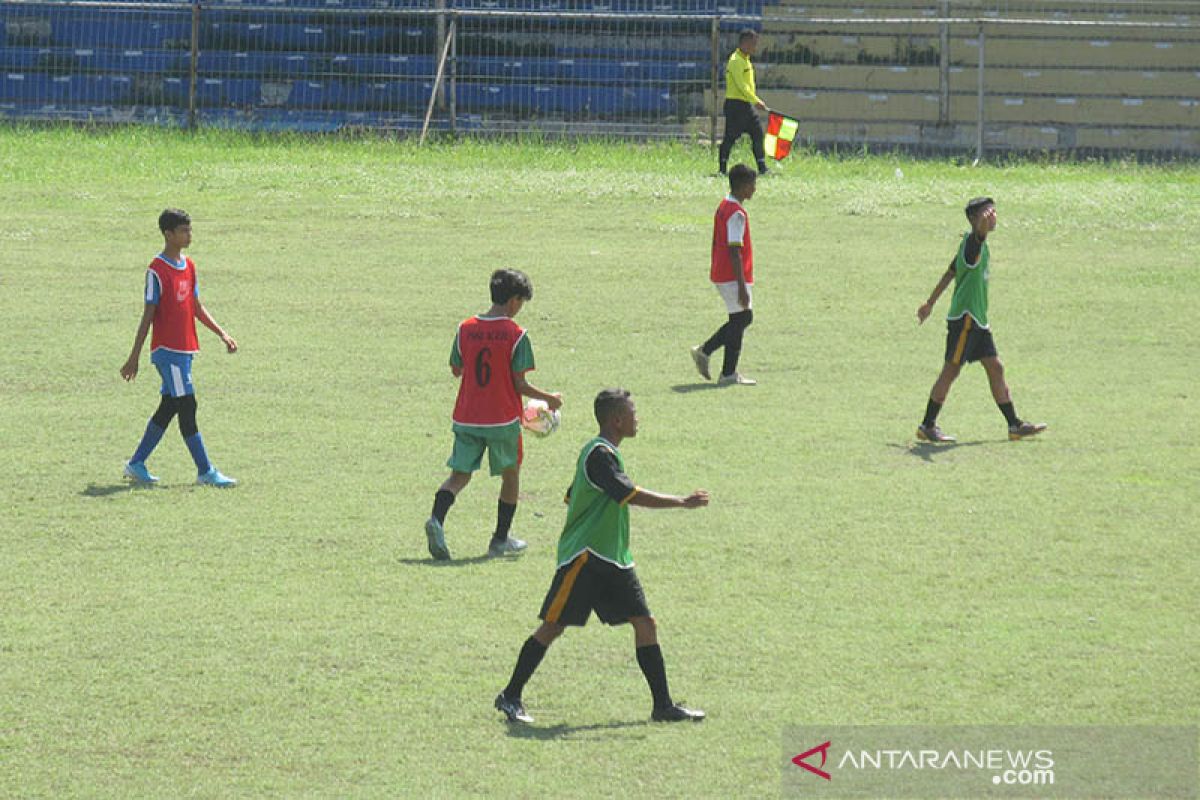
(176, 371)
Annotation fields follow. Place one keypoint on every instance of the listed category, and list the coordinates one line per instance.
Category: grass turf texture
(292, 636)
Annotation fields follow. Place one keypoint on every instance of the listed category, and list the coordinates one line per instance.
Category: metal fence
(1079, 78)
(940, 76)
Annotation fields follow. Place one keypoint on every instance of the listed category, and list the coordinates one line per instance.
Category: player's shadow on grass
(687, 388)
(604, 730)
(101, 490)
(454, 562)
(926, 450)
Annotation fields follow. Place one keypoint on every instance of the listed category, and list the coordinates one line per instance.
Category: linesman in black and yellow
(741, 98)
(595, 568)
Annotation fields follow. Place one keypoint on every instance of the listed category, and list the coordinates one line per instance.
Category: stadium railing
(933, 76)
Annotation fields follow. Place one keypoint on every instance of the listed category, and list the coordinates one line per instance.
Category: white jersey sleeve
(153, 287)
(735, 228)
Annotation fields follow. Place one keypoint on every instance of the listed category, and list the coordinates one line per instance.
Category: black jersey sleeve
(972, 249)
(604, 472)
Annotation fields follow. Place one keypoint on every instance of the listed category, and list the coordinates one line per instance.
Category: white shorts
(729, 293)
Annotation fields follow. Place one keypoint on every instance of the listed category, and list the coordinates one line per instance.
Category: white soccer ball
(538, 419)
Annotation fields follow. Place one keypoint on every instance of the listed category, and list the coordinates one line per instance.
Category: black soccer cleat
(513, 709)
(677, 713)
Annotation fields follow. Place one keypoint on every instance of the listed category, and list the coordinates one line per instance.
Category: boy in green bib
(968, 336)
(595, 568)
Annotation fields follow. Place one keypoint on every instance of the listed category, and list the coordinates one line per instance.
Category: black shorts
(586, 584)
(967, 342)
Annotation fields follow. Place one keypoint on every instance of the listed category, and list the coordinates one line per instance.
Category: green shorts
(503, 445)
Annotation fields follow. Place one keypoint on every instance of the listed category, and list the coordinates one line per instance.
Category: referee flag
(781, 131)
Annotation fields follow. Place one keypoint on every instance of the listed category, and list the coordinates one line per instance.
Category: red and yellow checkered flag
(781, 131)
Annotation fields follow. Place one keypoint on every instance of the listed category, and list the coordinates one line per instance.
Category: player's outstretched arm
(926, 308)
(649, 499)
(527, 389)
(210, 323)
(129, 369)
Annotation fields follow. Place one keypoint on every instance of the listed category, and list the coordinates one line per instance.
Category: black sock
(716, 341)
(504, 518)
(650, 659)
(738, 322)
(932, 409)
(733, 352)
(723, 168)
(762, 166)
(1009, 413)
(531, 655)
(441, 504)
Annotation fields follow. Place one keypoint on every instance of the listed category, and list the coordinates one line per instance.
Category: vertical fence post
(944, 66)
(715, 36)
(453, 80)
(440, 5)
(194, 65)
(979, 119)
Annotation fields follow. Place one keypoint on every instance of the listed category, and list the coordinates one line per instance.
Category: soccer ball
(538, 419)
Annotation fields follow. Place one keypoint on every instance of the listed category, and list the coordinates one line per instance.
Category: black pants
(740, 118)
(729, 336)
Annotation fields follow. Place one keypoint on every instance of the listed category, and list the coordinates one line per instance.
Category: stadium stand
(867, 73)
(1109, 86)
(358, 64)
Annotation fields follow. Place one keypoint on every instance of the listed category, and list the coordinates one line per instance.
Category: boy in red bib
(491, 355)
(732, 272)
(172, 308)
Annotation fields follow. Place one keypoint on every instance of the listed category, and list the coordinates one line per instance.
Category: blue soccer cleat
(214, 478)
(136, 471)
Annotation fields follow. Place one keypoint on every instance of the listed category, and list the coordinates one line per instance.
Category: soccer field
(292, 637)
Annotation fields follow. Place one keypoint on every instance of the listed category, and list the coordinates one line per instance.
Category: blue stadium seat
(380, 66)
(243, 92)
(623, 54)
(322, 37)
(250, 64)
(93, 89)
(142, 61)
(175, 92)
(575, 99)
(385, 95)
(488, 67)
(118, 30)
(316, 94)
(632, 7)
(475, 96)
(19, 59)
(222, 5)
(91, 60)
(623, 72)
(26, 88)
(229, 92)
(284, 36)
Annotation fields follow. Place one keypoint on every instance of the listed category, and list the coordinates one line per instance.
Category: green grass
(291, 637)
